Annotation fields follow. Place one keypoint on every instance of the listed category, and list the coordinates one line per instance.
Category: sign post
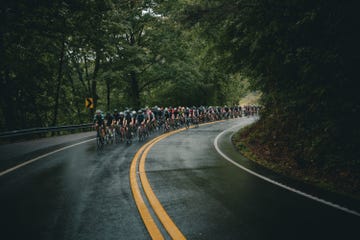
(89, 103)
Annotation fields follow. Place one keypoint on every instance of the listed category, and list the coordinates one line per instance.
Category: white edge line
(42, 156)
(277, 183)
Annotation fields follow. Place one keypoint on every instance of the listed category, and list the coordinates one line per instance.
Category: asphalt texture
(209, 198)
(83, 193)
(78, 193)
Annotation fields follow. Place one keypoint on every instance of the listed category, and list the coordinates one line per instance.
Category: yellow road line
(143, 210)
(161, 213)
(165, 219)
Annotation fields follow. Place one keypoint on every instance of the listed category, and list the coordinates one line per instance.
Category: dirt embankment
(277, 157)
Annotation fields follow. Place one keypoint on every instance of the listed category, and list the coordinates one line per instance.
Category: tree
(301, 56)
(122, 53)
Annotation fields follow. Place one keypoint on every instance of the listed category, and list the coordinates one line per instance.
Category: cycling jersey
(167, 114)
(140, 118)
(187, 113)
(109, 118)
(128, 118)
(99, 119)
(151, 116)
(117, 116)
(121, 120)
(176, 113)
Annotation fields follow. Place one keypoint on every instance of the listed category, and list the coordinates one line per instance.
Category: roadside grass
(251, 147)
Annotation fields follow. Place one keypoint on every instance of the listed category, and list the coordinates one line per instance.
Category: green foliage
(130, 53)
(302, 56)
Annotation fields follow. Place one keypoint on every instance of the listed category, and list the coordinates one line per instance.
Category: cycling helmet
(115, 110)
(122, 113)
(98, 111)
(139, 111)
(133, 112)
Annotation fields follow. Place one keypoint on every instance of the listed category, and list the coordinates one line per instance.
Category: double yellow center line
(138, 166)
(159, 210)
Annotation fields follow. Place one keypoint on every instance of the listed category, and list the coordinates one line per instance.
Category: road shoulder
(17, 153)
(226, 146)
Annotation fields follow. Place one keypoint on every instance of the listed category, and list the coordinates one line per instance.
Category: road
(82, 193)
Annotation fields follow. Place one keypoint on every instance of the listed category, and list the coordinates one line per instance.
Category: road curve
(82, 193)
(210, 198)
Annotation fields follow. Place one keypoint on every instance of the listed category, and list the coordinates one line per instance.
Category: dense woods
(122, 53)
(302, 56)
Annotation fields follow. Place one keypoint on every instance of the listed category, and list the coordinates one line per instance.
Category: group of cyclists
(124, 126)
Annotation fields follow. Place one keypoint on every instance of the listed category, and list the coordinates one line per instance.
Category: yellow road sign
(89, 103)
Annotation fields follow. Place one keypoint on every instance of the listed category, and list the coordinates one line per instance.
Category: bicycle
(196, 122)
(141, 132)
(99, 138)
(117, 134)
(167, 125)
(187, 122)
(128, 134)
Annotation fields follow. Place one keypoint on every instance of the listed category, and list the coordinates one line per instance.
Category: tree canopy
(301, 55)
(122, 53)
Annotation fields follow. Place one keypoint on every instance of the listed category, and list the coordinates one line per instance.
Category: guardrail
(33, 131)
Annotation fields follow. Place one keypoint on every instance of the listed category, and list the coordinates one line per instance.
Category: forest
(54, 54)
(303, 57)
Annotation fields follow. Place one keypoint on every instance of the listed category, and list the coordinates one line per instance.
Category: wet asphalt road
(209, 198)
(81, 193)
(78, 193)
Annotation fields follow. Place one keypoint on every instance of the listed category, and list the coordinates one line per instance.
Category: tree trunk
(135, 92)
(75, 93)
(7, 102)
(94, 83)
(6, 91)
(87, 76)
(58, 80)
(108, 89)
(134, 85)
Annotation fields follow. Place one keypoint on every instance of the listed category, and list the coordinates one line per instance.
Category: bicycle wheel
(99, 142)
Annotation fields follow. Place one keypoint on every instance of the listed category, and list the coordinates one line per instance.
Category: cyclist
(116, 116)
(139, 118)
(99, 122)
(155, 111)
(127, 123)
(187, 117)
(167, 113)
(227, 113)
(140, 124)
(127, 118)
(150, 119)
(133, 118)
(109, 121)
(116, 123)
(121, 125)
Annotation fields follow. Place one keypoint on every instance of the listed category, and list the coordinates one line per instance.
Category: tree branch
(149, 83)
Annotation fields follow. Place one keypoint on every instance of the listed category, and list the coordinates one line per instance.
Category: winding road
(188, 184)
